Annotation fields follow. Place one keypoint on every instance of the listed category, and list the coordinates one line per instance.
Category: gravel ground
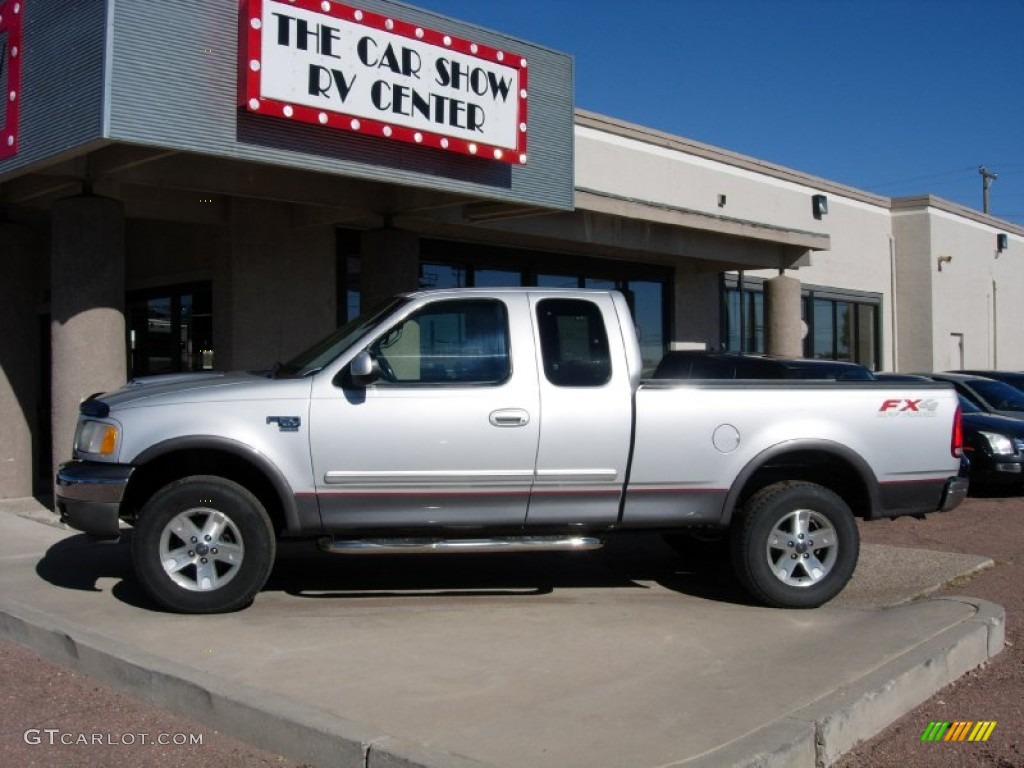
(992, 526)
(37, 694)
(49, 717)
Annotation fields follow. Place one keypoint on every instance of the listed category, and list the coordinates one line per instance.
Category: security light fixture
(819, 205)
(944, 259)
(1002, 242)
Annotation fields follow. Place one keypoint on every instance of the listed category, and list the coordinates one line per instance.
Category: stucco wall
(693, 177)
(977, 294)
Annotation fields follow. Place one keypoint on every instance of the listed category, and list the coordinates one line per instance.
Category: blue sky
(898, 97)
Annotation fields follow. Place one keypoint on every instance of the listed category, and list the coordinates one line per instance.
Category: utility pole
(987, 177)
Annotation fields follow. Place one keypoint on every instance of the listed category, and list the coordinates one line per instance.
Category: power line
(908, 180)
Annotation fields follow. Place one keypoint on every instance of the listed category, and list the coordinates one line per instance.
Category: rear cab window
(573, 343)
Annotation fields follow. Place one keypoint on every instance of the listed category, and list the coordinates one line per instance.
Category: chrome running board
(410, 546)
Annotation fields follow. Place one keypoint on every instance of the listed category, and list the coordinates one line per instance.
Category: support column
(19, 361)
(280, 291)
(696, 324)
(389, 264)
(87, 327)
(783, 330)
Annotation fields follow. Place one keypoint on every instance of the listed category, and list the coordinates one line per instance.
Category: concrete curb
(277, 724)
(820, 733)
(813, 736)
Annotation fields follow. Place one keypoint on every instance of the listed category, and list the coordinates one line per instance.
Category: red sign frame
(250, 79)
(11, 14)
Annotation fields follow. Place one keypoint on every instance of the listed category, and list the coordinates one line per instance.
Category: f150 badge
(286, 423)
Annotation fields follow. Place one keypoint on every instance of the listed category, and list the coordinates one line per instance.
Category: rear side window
(573, 343)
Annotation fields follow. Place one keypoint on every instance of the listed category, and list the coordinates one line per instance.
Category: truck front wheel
(795, 545)
(203, 544)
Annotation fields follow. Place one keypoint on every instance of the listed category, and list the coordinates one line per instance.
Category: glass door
(170, 330)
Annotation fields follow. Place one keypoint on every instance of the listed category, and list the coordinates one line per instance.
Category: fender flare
(838, 450)
(293, 515)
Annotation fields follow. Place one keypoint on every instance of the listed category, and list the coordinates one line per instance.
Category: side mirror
(363, 370)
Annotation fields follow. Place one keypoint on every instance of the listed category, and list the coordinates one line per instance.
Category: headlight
(999, 444)
(97, 438)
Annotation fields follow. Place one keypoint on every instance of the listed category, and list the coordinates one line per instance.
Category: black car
(989, 395)
(1013, 378)
(994, 444)
(695, 364)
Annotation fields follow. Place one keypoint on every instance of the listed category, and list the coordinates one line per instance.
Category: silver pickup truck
(499, 420)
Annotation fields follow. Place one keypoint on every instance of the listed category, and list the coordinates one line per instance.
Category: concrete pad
(613, 658)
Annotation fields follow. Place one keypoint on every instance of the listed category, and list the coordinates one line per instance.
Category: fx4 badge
(908, 407)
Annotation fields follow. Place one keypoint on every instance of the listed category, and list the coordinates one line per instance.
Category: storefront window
(442, 276)
(447, 264)
(170, 330)
(744, 321)
(496, 278)
(841, 325)
(823, 337)
(558, 281)
(646, 299)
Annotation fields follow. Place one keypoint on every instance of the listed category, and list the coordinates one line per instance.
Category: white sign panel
(329, 64)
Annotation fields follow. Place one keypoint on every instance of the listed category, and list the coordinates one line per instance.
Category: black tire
(203, 544)
(794, 545)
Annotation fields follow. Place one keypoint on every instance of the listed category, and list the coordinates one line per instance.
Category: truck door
(586, 406)
(447, 437)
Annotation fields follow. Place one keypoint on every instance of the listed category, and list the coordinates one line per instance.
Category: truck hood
(172, 388)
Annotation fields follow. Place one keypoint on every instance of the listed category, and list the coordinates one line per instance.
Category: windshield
(1000, 395)
(329, 348)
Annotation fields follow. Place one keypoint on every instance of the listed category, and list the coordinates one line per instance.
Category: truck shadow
(636, 562)
(629, 562)
(82, 562)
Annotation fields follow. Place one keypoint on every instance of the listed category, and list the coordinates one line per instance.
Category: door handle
(509, 417)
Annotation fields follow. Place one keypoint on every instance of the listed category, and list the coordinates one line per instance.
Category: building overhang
(602, 202)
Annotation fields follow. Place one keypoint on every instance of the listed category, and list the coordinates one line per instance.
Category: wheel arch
(180, 457)
(824, 462)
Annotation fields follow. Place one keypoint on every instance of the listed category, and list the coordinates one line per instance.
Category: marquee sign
(10, 74)
(321, 62)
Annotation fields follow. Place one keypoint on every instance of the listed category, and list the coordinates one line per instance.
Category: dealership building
(215, 184)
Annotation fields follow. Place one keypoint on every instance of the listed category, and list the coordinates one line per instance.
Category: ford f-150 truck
(498, 420)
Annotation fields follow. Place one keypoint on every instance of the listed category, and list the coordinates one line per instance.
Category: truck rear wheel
(795, 545)
(203, 544)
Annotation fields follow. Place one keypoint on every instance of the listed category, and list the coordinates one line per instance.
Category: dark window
(446, 264)
(841, 325)
(744, 320)
(573, 343)
(447, 342)
(170, 329)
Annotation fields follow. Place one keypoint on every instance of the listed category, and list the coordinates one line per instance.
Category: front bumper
(89, 496)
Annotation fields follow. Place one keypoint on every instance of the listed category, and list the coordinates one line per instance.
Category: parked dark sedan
(989, 395)
(696, 364)
(994, 444)
(1013, 378)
